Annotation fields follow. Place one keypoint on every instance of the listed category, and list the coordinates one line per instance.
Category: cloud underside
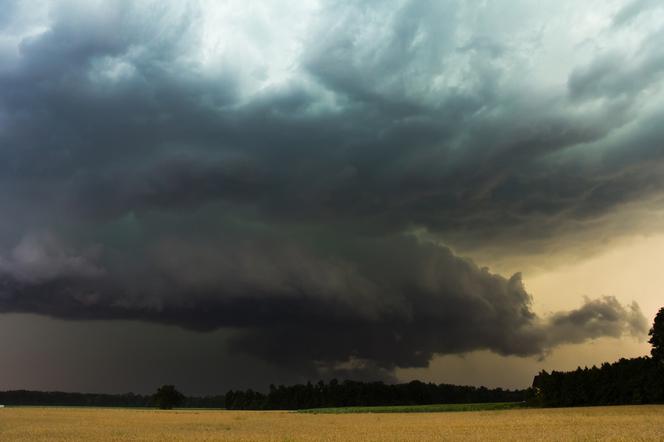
(378, 303)
(304, 178)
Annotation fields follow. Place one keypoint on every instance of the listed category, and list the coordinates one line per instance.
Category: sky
(229, 194)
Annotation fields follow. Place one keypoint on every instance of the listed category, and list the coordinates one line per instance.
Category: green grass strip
(434, 408)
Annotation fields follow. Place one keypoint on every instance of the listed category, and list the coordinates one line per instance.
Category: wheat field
(95, 424)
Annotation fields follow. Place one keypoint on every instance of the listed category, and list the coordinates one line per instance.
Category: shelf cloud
(319, 181)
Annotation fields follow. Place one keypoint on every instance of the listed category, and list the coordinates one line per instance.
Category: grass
(434, 408)
(619, 423)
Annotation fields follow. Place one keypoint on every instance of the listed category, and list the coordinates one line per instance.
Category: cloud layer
(375, 304)
(304, 177)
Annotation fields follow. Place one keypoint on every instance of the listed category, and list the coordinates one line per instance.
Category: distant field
(626, 423)
(435, 408)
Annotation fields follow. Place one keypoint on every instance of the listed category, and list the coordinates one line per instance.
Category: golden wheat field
(93, 424)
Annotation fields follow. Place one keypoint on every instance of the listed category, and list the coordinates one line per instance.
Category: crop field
(94, 424)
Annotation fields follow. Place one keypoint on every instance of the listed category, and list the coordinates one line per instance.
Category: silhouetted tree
(657, 337)
(168, 397)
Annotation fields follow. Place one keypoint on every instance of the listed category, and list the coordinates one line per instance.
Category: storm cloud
(375, 304)
(315, 179)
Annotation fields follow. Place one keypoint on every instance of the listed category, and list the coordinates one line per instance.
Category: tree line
(321, 394)
(352, 393)
(627, 381)
(59, 398)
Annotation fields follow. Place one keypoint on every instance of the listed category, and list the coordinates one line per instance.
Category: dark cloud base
(385, 303)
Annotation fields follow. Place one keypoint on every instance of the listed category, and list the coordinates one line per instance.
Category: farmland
(61, 424)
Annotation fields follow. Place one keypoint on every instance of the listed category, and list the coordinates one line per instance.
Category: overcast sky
(230, 194)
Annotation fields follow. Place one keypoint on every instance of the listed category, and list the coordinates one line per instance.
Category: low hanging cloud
(368, 306)
(294, 176)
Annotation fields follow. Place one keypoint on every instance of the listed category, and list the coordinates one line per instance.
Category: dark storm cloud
(164, 163)
(395, 150)
(379, 304)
